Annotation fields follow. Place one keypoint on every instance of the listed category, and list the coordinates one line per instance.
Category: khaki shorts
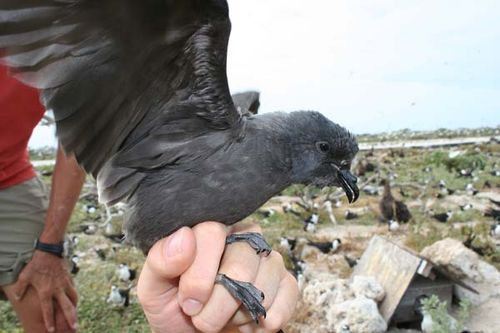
(22, 217)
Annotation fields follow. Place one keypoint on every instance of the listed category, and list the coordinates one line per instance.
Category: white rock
(368, 287)
(466, 265)
(360, 314)
(325, 290)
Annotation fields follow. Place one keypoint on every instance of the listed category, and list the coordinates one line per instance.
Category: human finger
(268, 280)
(241, 263)
(47, 306)
(165, 262)
(72, 294)
(281, 310)
(68, 309)
(196, 284)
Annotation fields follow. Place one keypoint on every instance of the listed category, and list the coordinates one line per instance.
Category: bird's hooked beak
(348, 182)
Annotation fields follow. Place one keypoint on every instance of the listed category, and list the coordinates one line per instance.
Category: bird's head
(322, 153)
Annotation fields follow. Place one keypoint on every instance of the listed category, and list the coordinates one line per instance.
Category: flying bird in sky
(140, 97)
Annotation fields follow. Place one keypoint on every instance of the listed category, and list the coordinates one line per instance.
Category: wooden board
(393, 267)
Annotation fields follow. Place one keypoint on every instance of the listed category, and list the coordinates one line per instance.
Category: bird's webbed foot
(254, 239)
(250, 297)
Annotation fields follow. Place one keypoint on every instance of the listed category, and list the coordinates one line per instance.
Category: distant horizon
(42, 134)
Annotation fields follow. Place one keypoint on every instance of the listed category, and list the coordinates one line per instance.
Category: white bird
(314, 219)
(345, 329)
(301, 281)
(125, 273)
(495, 230)
(310, 227)
(470, 190)
(119, 297)
(393, 225)
(466, 207)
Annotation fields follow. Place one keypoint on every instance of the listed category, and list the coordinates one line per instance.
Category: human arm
(183, 266)
(47, 273)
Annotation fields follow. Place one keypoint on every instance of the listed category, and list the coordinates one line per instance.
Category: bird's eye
(323, 146)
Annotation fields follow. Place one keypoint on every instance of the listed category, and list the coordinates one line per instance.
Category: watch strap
(54, 249)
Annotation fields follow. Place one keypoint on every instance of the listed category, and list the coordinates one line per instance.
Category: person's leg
(29, 312)
(22, 217)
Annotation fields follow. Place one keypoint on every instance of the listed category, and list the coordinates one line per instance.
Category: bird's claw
(250, 297)
(254, 239)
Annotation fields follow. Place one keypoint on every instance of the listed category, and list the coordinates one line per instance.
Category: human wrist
(51, 237)
(56, 249)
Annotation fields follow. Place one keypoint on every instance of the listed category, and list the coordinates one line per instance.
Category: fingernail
(191, 307)
(75, 326)
(174, 246)
(51, 329)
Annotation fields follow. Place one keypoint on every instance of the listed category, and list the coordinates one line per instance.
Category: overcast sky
(370, 65)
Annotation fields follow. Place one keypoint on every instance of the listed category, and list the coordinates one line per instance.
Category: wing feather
(115, 71)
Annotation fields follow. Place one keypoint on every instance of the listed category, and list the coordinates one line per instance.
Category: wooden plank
(393, 267)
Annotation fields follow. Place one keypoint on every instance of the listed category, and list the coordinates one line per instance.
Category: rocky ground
(330, 298)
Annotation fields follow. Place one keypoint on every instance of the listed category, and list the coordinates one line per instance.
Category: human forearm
(67, 183)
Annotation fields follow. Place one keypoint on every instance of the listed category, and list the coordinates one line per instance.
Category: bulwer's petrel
(141, 99)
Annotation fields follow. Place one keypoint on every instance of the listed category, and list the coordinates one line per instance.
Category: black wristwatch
(54, 249)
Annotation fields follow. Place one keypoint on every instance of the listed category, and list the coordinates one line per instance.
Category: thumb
(166, 261)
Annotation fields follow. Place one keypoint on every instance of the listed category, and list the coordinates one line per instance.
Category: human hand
(48, 275)
(182, 268)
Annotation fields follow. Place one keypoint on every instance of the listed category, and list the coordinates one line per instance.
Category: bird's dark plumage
(442, 217)
(140, 97)
(392, 209)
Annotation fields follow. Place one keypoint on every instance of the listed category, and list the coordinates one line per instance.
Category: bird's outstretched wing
(128, 81)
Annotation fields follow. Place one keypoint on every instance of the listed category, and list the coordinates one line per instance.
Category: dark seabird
(140, 97)
(266, 212)
(73, 265)
(351, 261)
(298, 266)
(465, 173)
(100, 253)
(442, 217)
(466, 207)
(492, 212)
(482, 250)
(117, 238)
(288, 209)
(88, 229)
(350, 215)
(312, 219)
(288, 243)
(444, 190)
(496, 203)
(125, 273)
(310, 227)
(326, 247)
(392, 209)
(471, 190)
